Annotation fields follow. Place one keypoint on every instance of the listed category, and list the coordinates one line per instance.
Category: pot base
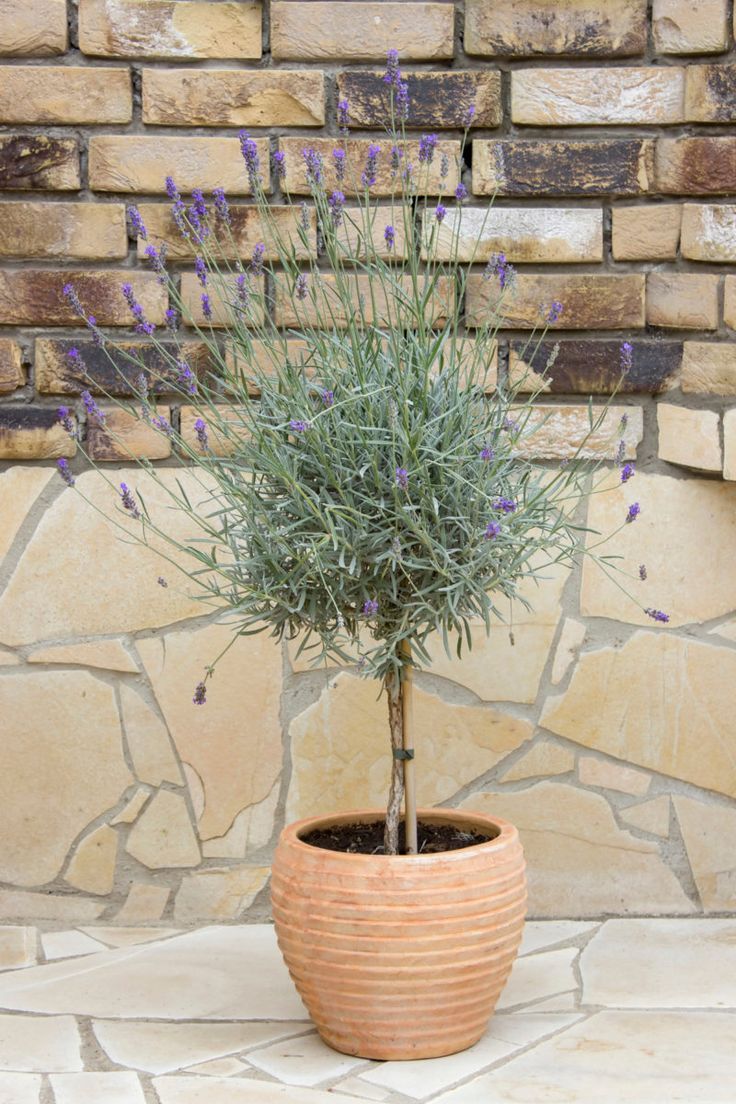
(400, 956)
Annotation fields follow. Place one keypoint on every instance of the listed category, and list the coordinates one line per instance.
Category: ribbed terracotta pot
(400, 956)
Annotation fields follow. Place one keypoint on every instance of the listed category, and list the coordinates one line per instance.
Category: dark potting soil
(367, 839)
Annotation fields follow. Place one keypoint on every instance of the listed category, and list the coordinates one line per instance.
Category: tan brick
(12, 374)
(126, 436)
(34, 296)
(323, 302)
(114, 369)
(247, 231)
(682, 300)
(65, 94)
(560, 432)
(169, 29)
(356, 149)
(221, 441)
(598, 97)
(436, 99)
(593, 367)
(648, 233)
(595, 302)
(729, 302)
(612, 776)
(30, 161)
(260, 359)
(690, 26)
(353, 230)
(616, 166)
(33, 28)
(138, 163)
(525, 234)
(709, 232)
(233, 97)
(223, 298)
(354, 31)
(689, 437)
(710, 94)
(83, 231)
(695, 166)
(729, 444)
(33, 433)
(580, 28)
(709, 368)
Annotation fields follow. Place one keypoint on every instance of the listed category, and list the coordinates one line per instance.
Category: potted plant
(364, 488)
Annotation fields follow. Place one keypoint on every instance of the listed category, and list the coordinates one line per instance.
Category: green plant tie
(403, 753)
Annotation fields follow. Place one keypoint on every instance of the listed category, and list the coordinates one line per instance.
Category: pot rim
(506, 833)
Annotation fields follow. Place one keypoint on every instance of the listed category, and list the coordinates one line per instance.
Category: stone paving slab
(595, 1012)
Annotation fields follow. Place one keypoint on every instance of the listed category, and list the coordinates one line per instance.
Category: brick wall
(604, 130)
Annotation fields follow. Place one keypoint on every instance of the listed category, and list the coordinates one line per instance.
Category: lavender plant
(363, 488)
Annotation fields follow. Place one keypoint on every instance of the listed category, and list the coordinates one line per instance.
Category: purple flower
(73, 299)
(461, 192)
(624, 422)
(499, 266)
(64, 415)
(197, 215)
(186, 377)
(393, 73)
(75, 357)
(157, 260)
(657, 615)
(487, 453)
(171, 189)
(634, 511)
(201, 269)
(200, 430)
(444, 166)
(161, 581)
(162, 424)
(249, 150)
(402, 100)
(493, 528)
(389, 236)
(65, 473)
(222, 209)
(137, 222)
(469, 116)
(304, 215)
(143, 386)
(172, 320)
(93, 410)
(338, 156)
(627, 353)
(368, 176)
(370, 607)
(427, 146)
(336, 202)
(299, 426)
(396, 154)
(327, 396)
(510, 425)
(98, 338)
(627, 473)
(243, 291)
(506, 505)
(439, 212)
(206, 306)
(256, 260)
(141, 325)
(128, 501)
(313, 162)
(554, 312)
(343, 114)
(200, 694)
(642, 572)
(301, 288)
(620, 452)
(402, 478)
(278, 159)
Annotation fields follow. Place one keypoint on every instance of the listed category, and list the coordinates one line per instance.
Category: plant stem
(407, 731)
(396, 790)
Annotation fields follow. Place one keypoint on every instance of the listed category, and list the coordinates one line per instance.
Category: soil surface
(367, 839)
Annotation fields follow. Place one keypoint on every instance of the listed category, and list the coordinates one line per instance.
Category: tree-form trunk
(399, 692)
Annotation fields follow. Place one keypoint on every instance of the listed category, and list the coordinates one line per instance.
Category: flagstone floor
(619, 1012)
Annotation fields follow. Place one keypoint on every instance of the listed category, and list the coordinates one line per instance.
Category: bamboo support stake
(407, 728)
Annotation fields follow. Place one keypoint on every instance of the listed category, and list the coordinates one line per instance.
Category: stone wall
(606, 138)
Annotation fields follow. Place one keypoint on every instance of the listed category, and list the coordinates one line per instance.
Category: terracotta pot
(400, 956)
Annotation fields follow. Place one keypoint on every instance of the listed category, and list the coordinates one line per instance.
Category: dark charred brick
(38, 161)
(695, 166)
(525, 28)
(618, 166)
(594, 367)
(33, 433)
(110, 372)
(435, 99)
(35, 297)
(12, 375)
(710, 94)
